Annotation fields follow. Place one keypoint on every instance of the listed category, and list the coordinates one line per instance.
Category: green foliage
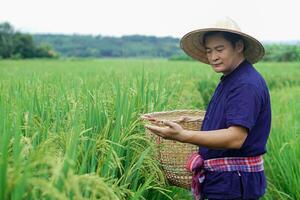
(76, 135)
(143, 46)
(284, 150)
(6, 40)
(206, 89)
(182, 57)
(282, 52)
(23, 45)
(101, 46)
(69, 133)
(17, 45)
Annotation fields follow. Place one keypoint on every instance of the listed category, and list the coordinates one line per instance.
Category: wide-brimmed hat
(192, 42)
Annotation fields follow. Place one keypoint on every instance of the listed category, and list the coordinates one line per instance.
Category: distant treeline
(18, 45)
(143, 46)
(282, 52)
(103, 46)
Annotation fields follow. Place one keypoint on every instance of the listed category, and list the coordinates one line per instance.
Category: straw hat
(192, 45)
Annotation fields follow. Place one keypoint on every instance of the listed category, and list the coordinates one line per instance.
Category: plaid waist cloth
(198, 166)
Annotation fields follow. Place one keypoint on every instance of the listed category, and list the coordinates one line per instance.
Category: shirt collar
(235, 71)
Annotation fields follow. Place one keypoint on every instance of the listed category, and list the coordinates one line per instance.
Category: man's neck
(239, 61)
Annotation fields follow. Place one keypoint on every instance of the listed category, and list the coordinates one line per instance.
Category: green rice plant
(70, 129)
(4, 145)
(206, 89)
(284, 149)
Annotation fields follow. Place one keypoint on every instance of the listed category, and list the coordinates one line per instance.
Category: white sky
(263, 19)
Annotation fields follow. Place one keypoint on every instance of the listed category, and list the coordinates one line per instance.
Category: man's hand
(171, 131)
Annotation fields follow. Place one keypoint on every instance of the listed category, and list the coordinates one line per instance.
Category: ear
(239, 46)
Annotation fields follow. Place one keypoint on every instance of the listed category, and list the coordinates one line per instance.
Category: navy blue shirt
(241, 98)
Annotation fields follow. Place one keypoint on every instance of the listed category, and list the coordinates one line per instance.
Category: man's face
(222, 56)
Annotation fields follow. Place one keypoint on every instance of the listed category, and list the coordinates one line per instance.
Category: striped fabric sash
(197, 166)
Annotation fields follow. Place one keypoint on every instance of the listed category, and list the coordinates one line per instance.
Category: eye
(208, 51)
(220, 50)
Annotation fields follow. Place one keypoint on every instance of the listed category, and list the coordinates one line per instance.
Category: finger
(155, 129)
(184, 118)
(148, 118)
(157, 123)
(153, 120)
(169, 123)
(181, 119)
(144, 117)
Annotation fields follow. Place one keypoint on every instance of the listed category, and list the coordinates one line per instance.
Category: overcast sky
(277, 20)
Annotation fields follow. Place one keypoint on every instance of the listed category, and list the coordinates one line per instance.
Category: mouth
(216, 65)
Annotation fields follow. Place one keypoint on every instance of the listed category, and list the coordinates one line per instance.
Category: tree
(6, 40)
(23, 45)
(19, 45)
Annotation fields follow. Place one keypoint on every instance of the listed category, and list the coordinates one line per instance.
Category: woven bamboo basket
(173, 155)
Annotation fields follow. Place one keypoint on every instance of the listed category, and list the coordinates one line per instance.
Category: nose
(214, 56)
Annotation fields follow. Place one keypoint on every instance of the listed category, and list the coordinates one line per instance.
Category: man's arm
(230, 138)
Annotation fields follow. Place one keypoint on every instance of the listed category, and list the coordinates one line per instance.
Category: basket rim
(177, 110)
(200, 114)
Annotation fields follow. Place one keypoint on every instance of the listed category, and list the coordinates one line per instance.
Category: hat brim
(191, 43)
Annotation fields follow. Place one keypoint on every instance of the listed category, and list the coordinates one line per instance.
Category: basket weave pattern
(172, 154)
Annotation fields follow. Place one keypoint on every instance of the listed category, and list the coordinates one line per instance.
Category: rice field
(70, 129)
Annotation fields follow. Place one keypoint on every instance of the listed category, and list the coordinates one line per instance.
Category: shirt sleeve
(243, 105)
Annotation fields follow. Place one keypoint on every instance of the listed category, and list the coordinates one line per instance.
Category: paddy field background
(70, 129)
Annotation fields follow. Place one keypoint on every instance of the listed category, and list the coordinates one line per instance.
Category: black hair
(233, 38)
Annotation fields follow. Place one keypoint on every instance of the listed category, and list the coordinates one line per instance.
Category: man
(237, 123)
